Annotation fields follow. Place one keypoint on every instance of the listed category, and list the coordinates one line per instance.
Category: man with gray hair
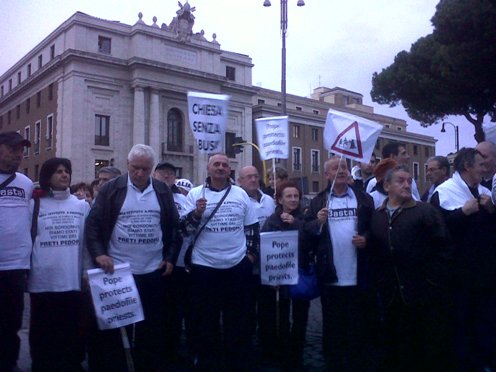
(438, 171)
(124, 205)
(487, 150)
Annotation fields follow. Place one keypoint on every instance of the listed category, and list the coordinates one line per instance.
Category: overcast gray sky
(330, 43)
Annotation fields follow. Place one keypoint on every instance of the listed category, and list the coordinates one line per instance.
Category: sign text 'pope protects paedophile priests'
(115, 297)
(279, 257)
(207, 120)
(273, 137)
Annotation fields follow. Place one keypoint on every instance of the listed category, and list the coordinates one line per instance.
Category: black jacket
(410, 254)
(274, 223)
(320, 242)
(103, 217)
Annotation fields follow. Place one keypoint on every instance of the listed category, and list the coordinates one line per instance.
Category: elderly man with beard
(471, 219)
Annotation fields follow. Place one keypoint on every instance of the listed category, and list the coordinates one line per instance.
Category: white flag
(350, 136)
(273, 137)
(208, 120)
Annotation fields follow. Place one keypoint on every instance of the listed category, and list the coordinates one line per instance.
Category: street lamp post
(457, 138)
(284, 28)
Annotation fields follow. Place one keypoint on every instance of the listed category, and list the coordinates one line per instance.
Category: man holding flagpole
(338, 221)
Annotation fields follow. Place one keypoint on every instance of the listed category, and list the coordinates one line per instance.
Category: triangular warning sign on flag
(348, 142)
(351, 136)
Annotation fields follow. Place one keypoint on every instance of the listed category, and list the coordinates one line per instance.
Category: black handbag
(189, 250)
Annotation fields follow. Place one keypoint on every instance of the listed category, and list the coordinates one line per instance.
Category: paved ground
(312, 357)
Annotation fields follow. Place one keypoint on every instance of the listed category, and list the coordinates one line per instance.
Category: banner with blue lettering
(115, 297)
(208, 120)
(279, 257)
(273, 137)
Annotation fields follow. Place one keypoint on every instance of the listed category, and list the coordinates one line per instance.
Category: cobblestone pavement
(313, 359)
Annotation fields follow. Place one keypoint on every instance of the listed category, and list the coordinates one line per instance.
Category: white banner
(208, 120)
(490, 131)
(350, 136)
(273, 137)
(279, 257)
(115, 297)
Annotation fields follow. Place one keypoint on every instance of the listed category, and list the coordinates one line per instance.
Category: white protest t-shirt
(180, 201)
(15, 236)
(57, 251)
(263, 208)
(342, 222)
(222, 244)
(137, 235)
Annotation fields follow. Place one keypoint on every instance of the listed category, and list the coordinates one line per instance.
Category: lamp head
(267, 3)
(300, 3)
(442, 129)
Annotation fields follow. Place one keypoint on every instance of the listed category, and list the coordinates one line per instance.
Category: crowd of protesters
(407, 283)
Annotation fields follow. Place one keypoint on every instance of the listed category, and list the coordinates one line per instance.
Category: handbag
(189, 250)
(307, 287)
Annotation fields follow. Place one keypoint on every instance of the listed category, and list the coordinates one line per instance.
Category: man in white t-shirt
(222, 263)
(15, 246)
(134, 219)
(336, 225)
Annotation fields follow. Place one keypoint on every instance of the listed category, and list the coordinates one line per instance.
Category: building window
(52, 52)
(28, 105)
(279, 104)
(387, 125)
(36, 173)
(315, 134)
(26, 172)
(19, 76)
(40, 61)
(426, 151)
(174, 130)
(298, 108)
(415, 171)
(296, 131)
(10, 85)
(230, 73)
(1, 121)
(37, 137)
(102, 125)
(18, 111)
(315, 157)
(29, 69)
(230, 140)
(296, 158)
(315, 186)
(1, 91)
(415, 150)
(399, 129)
(27, 136)
(9, 117)
(104, 44)
(50, 92)
(38, 99)
(261, 102)
(49, 132)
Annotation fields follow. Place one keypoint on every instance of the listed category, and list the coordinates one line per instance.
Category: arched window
(174, 130)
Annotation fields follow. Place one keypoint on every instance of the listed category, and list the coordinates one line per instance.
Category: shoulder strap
(211, 215)
(34, 222)
(5, 183)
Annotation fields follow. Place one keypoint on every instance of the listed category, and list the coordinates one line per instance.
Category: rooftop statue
(182, 24)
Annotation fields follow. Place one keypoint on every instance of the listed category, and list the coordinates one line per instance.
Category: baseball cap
(165, 164)
(13, 139)
(184, 183)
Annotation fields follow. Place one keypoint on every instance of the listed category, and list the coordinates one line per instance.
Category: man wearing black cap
(15, 246)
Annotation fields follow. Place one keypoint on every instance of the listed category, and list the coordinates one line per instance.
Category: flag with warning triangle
(350, 136)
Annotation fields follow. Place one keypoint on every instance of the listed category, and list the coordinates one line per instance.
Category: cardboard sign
(208, 120)
(279, 257)
(273, 137)
(115, 297)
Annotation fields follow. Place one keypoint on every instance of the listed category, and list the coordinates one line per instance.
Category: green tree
(449, 72)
